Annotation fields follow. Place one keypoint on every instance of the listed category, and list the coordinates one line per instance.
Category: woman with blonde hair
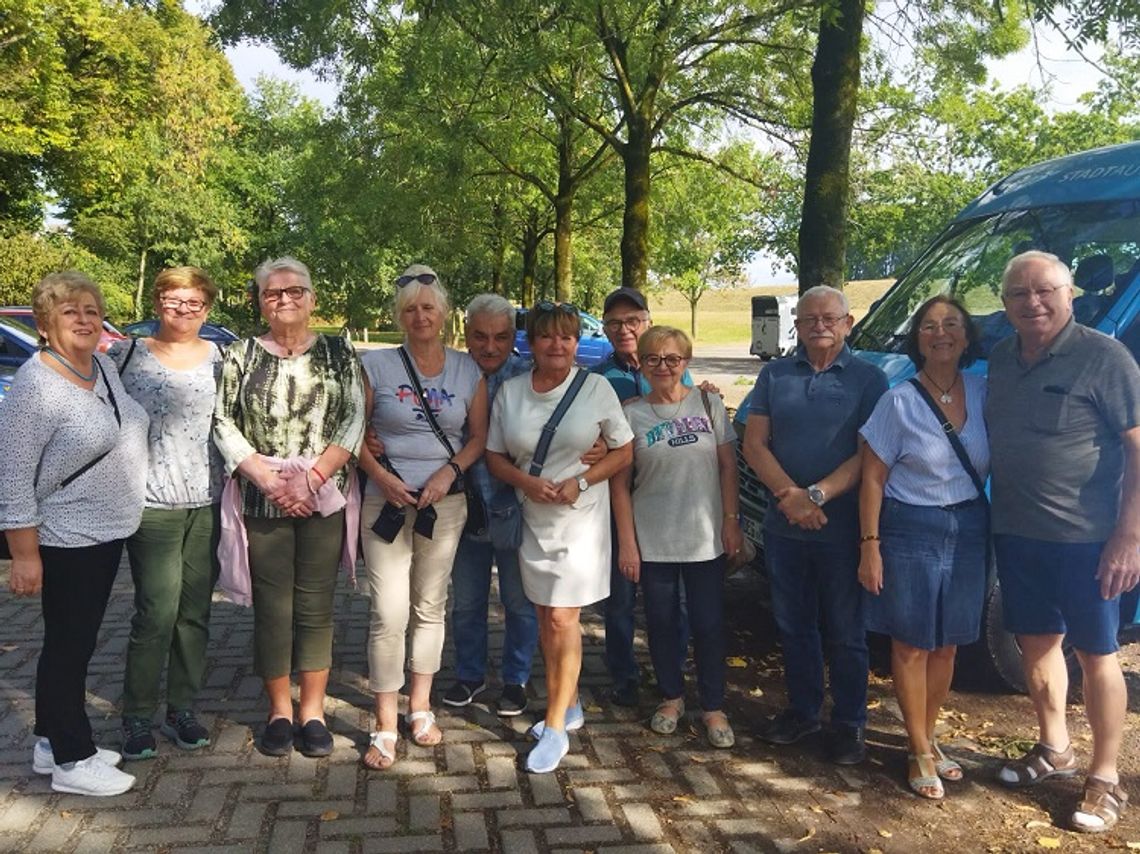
(427, 404)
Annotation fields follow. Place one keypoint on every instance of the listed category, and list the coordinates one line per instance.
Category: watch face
(583, 484)
(815, 494)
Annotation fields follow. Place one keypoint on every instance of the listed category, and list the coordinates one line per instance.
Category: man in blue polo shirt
(625, 317)
(802, 440)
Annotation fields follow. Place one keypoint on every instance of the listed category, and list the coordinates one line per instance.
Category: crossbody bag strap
(118, 418)
(129, 356)
(550, 426)
(952, 436)
(418, 389)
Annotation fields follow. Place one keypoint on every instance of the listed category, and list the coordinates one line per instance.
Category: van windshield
(1100, 241)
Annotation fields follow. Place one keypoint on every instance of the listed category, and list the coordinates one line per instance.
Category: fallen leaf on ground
(330, 815)
(1049, 841)
(1133, 846)
(755, 692)
(735, 661)
(874, 704)
(1035, 823)
(807, 836)
(685, 799)
(886, 834)
(593, 710)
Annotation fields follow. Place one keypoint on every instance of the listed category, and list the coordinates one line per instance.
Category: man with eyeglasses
(625, 317)
(1063, 412)
(802, 440)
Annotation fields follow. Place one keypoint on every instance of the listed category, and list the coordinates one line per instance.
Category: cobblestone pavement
(621, 789)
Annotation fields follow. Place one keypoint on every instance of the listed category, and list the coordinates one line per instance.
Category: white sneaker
(43, 762)
(91, 776)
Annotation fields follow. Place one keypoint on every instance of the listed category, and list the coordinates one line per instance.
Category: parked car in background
(210, 331)
(6, 374)
(17, 343)
(1084, 208)
(23, 314)
(593, 345)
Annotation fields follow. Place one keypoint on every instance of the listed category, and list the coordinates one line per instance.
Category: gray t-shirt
(677, 509)
(184, 467)
(51, 429)
(397, 414)
(1057, 458)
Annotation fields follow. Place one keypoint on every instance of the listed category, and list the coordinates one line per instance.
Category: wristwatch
(583, 484)
(815, 495)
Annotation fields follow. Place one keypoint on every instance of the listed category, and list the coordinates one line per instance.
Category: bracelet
(455, 468)
(317, 472)
(309, 484)
(735, 516)
(869, 538)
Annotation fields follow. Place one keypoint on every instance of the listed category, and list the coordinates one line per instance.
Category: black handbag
(476, 523)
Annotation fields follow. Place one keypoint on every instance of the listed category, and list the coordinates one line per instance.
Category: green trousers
(174, 565)
(293, 566)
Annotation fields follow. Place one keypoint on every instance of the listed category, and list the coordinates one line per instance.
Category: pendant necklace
(671, 415)
(945, 397)
(87, 378)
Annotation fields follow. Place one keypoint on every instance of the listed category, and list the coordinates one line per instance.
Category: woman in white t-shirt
(565, 551)
(677, 518)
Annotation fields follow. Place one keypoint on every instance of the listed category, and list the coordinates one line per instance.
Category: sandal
(378, 740)
(1100, 807)
(666, 717)
(422, 734)
(947, 768)
(1040, 763)
(927, 786)
(717, 729)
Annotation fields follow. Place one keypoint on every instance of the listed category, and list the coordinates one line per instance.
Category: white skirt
(565, 552)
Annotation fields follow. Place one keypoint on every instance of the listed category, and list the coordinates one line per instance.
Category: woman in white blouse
(924, 526)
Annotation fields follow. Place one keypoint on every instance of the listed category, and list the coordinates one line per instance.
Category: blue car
(17, 343)
(1084, 208)
(6, 375)
(209, 331)
(593, 345)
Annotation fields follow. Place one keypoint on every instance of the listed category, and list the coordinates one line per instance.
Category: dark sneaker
(462, 693)
(277, 738)
(788, 727)
(512, 701)
(625, 694)
(184, 730)
(316, 740)
(138, 739)
(844, 744)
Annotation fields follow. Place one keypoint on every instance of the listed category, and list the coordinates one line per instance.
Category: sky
(1047, 60)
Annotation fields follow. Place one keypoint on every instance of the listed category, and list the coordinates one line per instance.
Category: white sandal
(378, 740)
(428, 720)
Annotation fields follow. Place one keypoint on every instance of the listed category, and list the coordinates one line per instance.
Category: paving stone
(382, 796)
(642, 821)
(485, 800)
(460, 758)
(358, 825)
(444, 783)
(97, 842)
(171, 834)
(608, 751)
(535, 817)
(545, 789)
(402, 844)
(634, 792)
(658, 848)
(740, 827)
(54, 833)
(582, 835)
(600, 775)
(423, 812)
(288, 837)
(246, 821)
(502, 772)
(470, 831)
(208, 804)
(702, 782)
(313, 809)
(518, 842)
(341, 781)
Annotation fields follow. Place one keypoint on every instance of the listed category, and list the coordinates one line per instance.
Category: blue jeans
(811, 580)
(704, 594)
(471, 586)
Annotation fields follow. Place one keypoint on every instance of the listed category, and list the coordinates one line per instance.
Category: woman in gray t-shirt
(676, 517)
(173, 555)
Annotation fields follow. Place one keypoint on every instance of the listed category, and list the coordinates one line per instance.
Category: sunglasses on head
(422, 278)
(546, 307)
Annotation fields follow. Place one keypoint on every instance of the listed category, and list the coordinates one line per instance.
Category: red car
(23, 314)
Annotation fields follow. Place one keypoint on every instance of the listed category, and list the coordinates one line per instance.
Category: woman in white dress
(565, 552)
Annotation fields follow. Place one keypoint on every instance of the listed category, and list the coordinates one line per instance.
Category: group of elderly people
(579, 487)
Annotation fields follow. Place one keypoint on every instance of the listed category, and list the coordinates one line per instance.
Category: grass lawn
(724, 316)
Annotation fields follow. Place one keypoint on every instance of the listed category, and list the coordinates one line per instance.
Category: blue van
(1084, 208)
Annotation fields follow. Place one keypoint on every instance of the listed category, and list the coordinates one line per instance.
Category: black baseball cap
(632, 295)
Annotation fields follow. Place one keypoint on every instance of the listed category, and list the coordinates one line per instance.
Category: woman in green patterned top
(284, 395)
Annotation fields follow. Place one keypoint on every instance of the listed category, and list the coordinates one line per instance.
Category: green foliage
(26, 258)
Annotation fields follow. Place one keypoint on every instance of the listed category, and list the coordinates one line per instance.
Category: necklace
(87, 378)
(945, 397)
(671, 415)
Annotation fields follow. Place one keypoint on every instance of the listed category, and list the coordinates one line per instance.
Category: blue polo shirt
(815, 420)
(628, 381)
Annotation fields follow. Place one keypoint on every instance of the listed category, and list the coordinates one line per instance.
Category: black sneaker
(788, 727)
(138, 739)
(184, 730)
(316, 740)
(462, 693)
(277, 738)
(844, 744)
(625, 694)
(512, 701)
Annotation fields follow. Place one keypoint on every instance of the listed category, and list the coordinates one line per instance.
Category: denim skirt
(934, 574)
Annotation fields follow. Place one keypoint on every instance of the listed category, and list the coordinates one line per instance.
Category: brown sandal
(1040, 763)
(1100, 808)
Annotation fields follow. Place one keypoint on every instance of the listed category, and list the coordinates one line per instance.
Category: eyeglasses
(422, 278)
(950, 326)
(294, 292)
(1023, 294)
(546, 307)
(194, 305)
(828, 320)
(654, 361)
(617, 324)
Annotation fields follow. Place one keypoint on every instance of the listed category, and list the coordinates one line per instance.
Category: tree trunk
(563, 208)
(635, 221)
(693, 318)
(531, 238)
(140, 284)
(498, 249)
(835, 81)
